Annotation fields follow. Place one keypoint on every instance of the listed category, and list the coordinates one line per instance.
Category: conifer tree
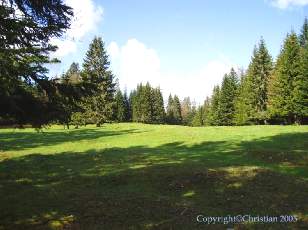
(227, 98)
(303, 37)
(119, 108)
(170, 110)
(206, 111)
(282, 97)
(243, 105)
(214, 109)
(158, 106)
(133, 105)
(27, 95)
(146, 103)
(177, 110)
(198, 119)
(99, 107)
(186, 110)
(253, 93)
(127, 106)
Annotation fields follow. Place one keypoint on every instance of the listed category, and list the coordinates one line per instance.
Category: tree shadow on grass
(163, 187)
(20, 140)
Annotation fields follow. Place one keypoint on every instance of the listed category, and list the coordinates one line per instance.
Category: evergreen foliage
(282, 96)
(252, 100)
(147, 104)
(227, 99)
(174, 110)
(26, 93)
(99, 106)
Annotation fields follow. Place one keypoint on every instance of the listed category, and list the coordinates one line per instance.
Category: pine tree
(300, 92)
(303, 37)
(186, 109)
(214, 109)
(170, 110)
(255, 86)
(72, 75)
(27, 95)
(206, 112)
(133, 101)
(282, 97)
(99, 107)
(177, 110)
(227, 98)
(119, 108)
(158, 106)
(243, 105)
(198, 119)
(146, 103)
(127, 107)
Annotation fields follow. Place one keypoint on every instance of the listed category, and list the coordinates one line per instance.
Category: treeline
(268, 92)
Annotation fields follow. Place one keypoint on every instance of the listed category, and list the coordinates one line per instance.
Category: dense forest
(268, 92)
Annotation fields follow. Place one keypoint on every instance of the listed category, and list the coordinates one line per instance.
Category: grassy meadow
(137, 176)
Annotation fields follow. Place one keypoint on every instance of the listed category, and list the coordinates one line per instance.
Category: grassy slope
(134, 176)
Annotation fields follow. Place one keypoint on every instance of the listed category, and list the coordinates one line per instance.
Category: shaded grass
(132, 176)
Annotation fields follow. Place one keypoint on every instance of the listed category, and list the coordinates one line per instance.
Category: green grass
(135, 176)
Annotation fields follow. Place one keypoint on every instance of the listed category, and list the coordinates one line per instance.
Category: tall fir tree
(146, 103)
(228, 96)
(72, 76)
(27, 95)
(253, 95)
(127, 106)
(198, 119)
(303, 37)
(186, 111)
(177, 110)
(206, 111)
(282, 102)
(300, 92)
(170, 110)
(214, 109)
(119, 108)
(99, 107)
(243, 105)
(158, 106)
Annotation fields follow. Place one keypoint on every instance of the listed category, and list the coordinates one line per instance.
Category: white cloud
(86, 17)
(134, 63)
(283, 4)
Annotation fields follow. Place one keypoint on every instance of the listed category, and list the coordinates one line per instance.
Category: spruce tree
(303, 37)
(127, 107)
(243, 105)
(283, 100)
(133, 105)
(119, 108)
(198, 119)
(170, 110)
(146, 103)
(158, 106)
(177, 110)
(27, 95)
(186, 110)
(227, 98)
(72, 75)
(214, 109)
(300, 91)
(206, 112)
(255, 86)
(99, 107)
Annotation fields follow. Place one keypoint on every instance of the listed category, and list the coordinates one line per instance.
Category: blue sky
(182, 46)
